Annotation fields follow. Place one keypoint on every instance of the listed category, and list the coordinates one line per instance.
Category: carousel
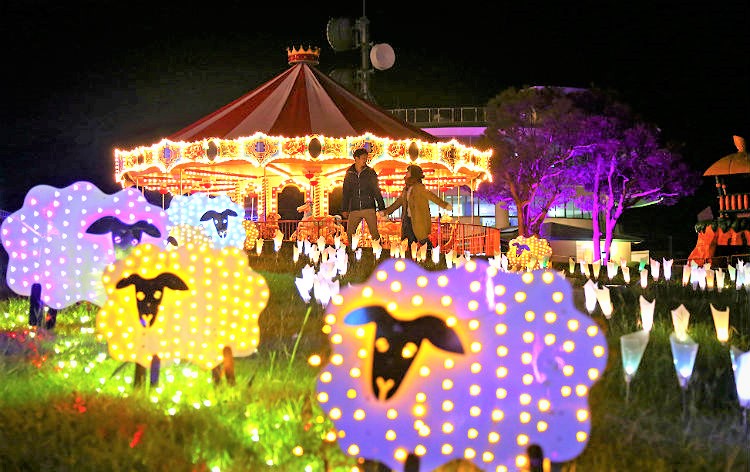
(297, 130)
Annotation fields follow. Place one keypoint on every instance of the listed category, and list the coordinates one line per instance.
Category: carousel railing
(459, 237)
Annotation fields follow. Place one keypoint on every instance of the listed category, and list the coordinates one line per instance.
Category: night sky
(83, 78)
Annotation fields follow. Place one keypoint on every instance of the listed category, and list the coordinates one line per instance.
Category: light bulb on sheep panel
(219, 216)
(188, 303)
(63, 238)
(509, 363)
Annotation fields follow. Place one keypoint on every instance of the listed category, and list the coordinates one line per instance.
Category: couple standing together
(362, 200)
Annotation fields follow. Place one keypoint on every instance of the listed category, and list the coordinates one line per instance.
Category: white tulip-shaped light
(377, 248)
(626, 274)
(721, 323)
(654, 269)
(584, 268)
(355, 242)
(647, 313)
(259, 246)
(423, 252)
(741, 369)
(596, 267)
(667, 268)
(589, 291)
(605, 301)
(278, 238)
(612, 269)
(710, 277)
(680, 320)
(732, 273)
(644, 278)
(295, 253)
(684, 352)
(632, 347)
(720, 277)
(436, 254)
(571, 265)
(686, 275)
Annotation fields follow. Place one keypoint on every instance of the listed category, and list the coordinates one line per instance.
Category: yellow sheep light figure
(194, 303)
(522, 250)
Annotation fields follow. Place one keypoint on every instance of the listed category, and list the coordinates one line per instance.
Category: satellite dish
(382, 56)
(340, 34)
(343, 76)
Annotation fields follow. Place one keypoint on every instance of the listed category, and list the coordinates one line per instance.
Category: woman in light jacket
(414, 201)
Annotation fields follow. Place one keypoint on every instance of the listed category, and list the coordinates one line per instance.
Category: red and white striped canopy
(302, 101)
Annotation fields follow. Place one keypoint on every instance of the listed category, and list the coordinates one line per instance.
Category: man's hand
(345, 215)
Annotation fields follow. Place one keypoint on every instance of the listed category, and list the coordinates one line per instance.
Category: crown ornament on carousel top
(310, 55)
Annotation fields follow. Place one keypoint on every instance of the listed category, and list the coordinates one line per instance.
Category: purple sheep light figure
(62, 239)
(430, 367)
(219, 216)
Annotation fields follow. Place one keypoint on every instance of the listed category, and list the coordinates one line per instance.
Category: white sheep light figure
(63, 238)
(219, 216)
(190, 303)
(469, 380)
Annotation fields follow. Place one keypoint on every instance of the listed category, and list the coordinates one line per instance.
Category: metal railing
(459, 237)
(442, 116)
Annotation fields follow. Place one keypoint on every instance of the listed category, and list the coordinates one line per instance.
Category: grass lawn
(65, 405)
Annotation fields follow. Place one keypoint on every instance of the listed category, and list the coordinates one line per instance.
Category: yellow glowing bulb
(475, 286)
(446, 449)
(592, 330)
(582, 415)
(400, 454)
(520, 297)
(447, 384)
(557, 297)
(297, 451)
(501, 372)
(367, 292)
(529, 316)
(390, 435)
(501, 308)
(501, 329)
(472, 433)
(447, 428)
(527, 379)
(359, 414)
(565, 391)
(355, 372)
(528, 337)
(391, 414)
(549, 339)
(522, 439)
(353, 450)
(473, 305)
(417, 300)
(524, 399)
(442, 281)
(524, 417)
(568, 370)
(422, 281)
(381, 275)
(447, 405)
(446, 300)
(598, 351)
(475, 411)
(476, 347)
(526, 358)
(581, 436)
(335, 413)
(593, 374)
(568, 346)
(476, 367)
(470, 453)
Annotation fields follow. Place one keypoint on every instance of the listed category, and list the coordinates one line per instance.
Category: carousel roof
(301, 101)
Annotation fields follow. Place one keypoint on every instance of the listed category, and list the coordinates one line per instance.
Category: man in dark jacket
(361, 196)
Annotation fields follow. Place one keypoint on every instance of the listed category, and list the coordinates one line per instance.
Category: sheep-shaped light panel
(522, 251)
(63, 238)
(187, 303)
(219, 216)
(467, 363)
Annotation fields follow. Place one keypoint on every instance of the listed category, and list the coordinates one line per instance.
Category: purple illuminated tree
(535, 135)
(628, 167)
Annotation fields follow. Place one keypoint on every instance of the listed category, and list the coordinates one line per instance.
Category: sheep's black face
(149, 293)
(221, 220)
(397, 343)
(124, 236)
